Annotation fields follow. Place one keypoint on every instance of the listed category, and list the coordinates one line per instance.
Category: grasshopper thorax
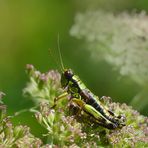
(66, 76)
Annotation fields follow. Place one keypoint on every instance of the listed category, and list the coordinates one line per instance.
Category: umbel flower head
(42, 86)
(14, 136)
(69, 130)
(121, 38)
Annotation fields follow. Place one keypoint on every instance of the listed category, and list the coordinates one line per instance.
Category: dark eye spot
(68, 73)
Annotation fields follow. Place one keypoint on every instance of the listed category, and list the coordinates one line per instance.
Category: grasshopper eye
(68, 74)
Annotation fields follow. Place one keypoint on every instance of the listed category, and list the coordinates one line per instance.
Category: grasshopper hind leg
(92, 115)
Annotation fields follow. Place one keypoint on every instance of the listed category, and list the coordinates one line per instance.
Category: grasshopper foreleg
(56, 99)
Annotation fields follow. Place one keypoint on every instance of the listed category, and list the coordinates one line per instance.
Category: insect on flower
(82, 97)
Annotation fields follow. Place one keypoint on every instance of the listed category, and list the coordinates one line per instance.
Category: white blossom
(121, 39)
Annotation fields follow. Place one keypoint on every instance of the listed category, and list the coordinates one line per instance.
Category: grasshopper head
(67, 75)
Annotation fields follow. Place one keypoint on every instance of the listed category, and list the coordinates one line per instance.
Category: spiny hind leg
(97, 118)
(92, 114)
(104, 123)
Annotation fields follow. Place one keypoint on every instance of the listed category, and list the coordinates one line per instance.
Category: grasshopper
(87, 101)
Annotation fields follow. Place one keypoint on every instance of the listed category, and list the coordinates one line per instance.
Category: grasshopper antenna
(62, 65)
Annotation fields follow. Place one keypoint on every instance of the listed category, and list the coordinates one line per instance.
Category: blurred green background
(28, 28)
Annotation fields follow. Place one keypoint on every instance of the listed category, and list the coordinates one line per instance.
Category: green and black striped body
(77, 89)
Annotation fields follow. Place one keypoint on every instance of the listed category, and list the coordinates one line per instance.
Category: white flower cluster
(122, 38)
